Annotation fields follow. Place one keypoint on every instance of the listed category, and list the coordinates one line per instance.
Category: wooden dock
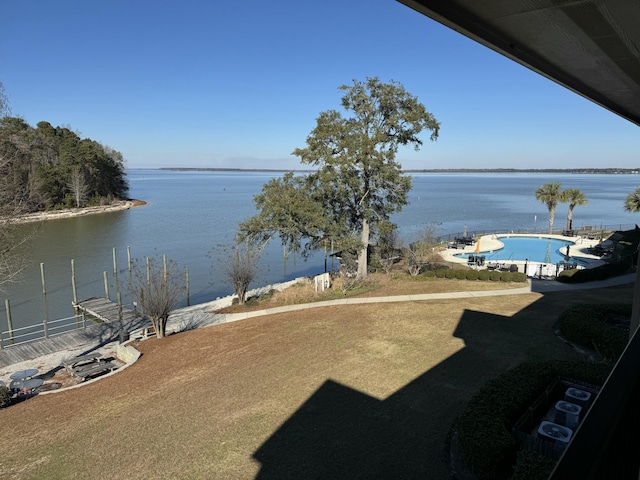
(107, 328)
(105, 310)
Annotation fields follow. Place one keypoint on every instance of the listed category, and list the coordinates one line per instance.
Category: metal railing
(47, 329)
(583, 230)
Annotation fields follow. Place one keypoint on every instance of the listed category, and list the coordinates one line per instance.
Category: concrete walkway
(201, 315)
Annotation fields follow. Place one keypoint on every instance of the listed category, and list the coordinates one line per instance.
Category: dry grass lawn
(361, 391)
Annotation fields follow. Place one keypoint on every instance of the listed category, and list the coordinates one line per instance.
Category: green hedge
(602, 272)
(486, 444)
(470, 274)
(450, 274)
(495, 275)
(585, 325)
(518, 277)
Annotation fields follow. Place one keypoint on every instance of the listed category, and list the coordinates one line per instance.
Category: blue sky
(240, 84)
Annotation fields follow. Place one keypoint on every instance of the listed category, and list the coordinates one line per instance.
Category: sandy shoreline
(78, 212)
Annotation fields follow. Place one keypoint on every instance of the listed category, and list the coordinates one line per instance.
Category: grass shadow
(342, 433)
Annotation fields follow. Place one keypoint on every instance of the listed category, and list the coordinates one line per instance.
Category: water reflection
(547, 255)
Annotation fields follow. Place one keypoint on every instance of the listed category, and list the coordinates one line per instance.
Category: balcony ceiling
(589, 46)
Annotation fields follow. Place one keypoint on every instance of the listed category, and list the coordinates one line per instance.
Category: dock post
(46, 306)
(164, 263)
(115, 272)
(106, 285)
(332, 257)
(129, 258)
(9, 322)
(284, 260)
(119, 308)
(187, 278)
(73, 282)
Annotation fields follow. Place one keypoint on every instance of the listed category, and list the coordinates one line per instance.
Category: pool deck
(490, 243)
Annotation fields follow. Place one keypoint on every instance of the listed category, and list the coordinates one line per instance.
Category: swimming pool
(534, 249)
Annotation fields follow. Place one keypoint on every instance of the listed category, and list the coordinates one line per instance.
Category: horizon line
(605, 170)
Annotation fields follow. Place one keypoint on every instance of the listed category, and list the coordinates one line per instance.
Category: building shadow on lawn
(342, 433)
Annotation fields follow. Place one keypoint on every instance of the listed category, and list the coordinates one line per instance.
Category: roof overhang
(591, 47)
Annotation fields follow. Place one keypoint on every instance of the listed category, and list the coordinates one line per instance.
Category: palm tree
(632, 202)
(573, 197)
(550, 195)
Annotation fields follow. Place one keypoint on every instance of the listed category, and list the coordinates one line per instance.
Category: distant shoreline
(79, 212)
(577, 171)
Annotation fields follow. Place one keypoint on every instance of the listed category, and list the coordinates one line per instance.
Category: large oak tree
(357, 182)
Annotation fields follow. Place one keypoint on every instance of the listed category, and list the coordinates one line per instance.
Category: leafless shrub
(158, 286)
(239, 265)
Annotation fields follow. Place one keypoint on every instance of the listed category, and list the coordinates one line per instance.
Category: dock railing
(46, 329)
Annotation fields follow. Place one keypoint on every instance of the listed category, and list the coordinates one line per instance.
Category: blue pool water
(534, 249)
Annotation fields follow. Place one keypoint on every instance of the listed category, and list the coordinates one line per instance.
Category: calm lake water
(190, 213)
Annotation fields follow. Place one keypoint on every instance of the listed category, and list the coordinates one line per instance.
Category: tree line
(49, 167)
